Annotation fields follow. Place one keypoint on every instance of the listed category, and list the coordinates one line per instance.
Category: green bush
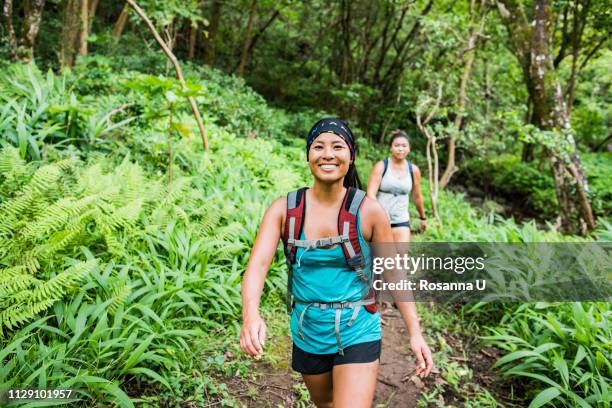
(598, 167)
(508, 176)
(563, 347)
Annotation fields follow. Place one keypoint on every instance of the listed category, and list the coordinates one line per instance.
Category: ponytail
(352, 178)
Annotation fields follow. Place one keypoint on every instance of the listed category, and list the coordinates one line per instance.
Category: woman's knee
(320, 389)
(322, 398)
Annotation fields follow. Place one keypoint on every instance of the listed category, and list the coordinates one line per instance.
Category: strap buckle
(324, 242)
(341, 305)
(357, 262)
(334, 305)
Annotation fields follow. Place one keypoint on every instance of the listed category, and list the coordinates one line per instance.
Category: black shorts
(309, 363)
(401, 224)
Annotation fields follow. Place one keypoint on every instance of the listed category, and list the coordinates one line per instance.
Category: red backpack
(348, 239)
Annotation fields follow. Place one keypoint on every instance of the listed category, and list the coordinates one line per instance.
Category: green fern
(55, 287)
(119, 295)
(56, 217)
(13, 171)
(20, 313)
(44, 178)
(23, 301)
(14, 280)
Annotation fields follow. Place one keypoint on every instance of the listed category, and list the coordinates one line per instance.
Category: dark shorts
(309, 363)
(401, 224)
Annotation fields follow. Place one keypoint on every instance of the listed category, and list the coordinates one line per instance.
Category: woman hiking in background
(392, 180)
(326, 230)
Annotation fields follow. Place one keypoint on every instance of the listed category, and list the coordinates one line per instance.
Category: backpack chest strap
(318, 243)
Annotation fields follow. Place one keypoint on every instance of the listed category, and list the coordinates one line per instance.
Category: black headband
(335, 126)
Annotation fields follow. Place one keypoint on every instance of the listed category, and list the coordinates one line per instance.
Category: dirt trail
(396, 386)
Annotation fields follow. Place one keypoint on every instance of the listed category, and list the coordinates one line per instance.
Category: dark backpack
(386, 164)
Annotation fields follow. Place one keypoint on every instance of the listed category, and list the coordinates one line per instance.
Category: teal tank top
(322, 275)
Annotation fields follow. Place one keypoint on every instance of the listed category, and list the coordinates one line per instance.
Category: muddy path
(397, 386)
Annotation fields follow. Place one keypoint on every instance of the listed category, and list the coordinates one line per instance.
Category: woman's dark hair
(396, 134)
(352, 178)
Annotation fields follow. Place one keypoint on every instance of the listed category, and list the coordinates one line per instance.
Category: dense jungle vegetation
(123, 239)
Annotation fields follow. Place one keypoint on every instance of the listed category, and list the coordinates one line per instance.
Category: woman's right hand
(253, 335)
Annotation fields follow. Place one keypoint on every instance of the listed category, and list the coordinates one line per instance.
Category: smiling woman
(335, 135)
(392, 181)
(334, 322)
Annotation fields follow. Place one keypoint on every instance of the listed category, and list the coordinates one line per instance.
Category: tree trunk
(120, 23)
(346, 71)
(69, 35)
(247, 39)
(532, 47)
(31, 25)
(93, 7)
(432, 153)
(211, 41)
(470, 50)
(84, 33)
(528, 152)
(193, 38)
(7, 14)
(261, 31)
(571, 87)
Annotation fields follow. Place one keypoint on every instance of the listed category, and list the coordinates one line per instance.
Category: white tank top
(393, 194)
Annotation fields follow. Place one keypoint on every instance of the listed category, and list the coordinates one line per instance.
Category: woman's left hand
(423, 226)
(423, 355)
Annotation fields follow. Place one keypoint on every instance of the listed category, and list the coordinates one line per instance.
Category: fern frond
(229, 232)
(55, 287)
(211, 217)
(9, 286)
(58, 240)
(15, 279)
(56, 216)
(23, 312)
(176, 190)
(181, 213)
(30, 261)
(119, 296)
(44, 178)
(12, 166)
(125, 216)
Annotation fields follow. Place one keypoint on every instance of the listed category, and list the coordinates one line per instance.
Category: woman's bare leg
(354, 385)
(320, 389)
(401, 234)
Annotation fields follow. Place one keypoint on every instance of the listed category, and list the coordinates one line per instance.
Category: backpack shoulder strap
(294, 220)
(386, 165)
(347, 225)
(294, 223)
(411, 173)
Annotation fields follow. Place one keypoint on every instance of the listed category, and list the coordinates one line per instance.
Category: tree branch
(177, 68)
(601, 42)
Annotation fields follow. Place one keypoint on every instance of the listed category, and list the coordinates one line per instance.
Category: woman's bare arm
(382, 234)
(417, 196)
(253, 328)
(375, 179)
